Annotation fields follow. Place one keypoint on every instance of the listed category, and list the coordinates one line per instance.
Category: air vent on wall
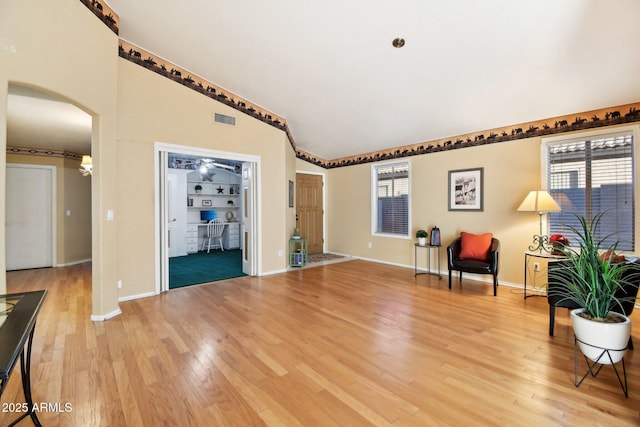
(227, 120)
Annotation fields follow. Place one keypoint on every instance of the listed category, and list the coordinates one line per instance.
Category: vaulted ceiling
(329, 67)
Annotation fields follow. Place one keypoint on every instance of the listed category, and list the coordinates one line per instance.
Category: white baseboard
(67, 264)
(137, 296)
(102, 318)
(271, 273)
(445, 273)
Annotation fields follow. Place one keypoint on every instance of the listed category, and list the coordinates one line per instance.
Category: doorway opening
(48, 201)
(200, 192)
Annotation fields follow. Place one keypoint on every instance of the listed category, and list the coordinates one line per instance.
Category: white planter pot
(595, 336)
(422, 241)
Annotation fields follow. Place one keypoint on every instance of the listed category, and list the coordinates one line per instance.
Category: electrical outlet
(536, 266)
(119, 284)
(369, 245)
(280, 253)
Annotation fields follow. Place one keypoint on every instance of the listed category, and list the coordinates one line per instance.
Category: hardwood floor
(349, 344)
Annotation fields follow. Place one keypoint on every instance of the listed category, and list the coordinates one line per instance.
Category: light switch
(68, 212)
(110, 215)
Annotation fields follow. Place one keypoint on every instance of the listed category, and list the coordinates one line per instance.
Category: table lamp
(539, 201)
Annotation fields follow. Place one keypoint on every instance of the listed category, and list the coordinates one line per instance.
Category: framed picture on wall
(206, 202)
(466, 192)
(291, 194)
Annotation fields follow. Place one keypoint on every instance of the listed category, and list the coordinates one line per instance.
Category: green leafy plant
(296, 232)
(590, 276)
(421, 233)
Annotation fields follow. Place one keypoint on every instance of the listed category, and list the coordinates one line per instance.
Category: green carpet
(204, 267)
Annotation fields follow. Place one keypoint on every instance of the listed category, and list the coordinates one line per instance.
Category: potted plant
(592, 276)
(296, 234)
(422, 237)
(198, 188)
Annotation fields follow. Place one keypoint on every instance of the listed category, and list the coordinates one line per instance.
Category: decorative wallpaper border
(45, 152)
(104, 13)
(628, 113)
(179, 75)
(573, 122)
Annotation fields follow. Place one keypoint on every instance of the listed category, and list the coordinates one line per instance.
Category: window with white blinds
(390, 197)
(591, 176)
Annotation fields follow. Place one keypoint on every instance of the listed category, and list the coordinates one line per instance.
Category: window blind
(391, 199)
(590, 177)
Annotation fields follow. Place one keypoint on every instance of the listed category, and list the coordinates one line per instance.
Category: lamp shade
(538, 201)
(86, 161)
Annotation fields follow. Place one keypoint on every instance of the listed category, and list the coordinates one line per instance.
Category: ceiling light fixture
(86, 166)
(398, 42)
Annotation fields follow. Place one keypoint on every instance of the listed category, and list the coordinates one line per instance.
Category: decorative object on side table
(435, 237)
(590, 277)
(558, 243)
(539, 201)
(422, 237)
(296, 234)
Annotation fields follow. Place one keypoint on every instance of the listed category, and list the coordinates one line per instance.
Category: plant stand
(605, 355)
(298, 252)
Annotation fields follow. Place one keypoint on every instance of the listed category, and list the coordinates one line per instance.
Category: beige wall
(73, 194)
(153, 109)
(511, 170)
(62, 48)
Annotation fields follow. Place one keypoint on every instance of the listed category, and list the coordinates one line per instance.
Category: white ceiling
(328, 67)
(39, 120)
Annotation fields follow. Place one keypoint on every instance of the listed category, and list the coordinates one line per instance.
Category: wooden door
(309, 210)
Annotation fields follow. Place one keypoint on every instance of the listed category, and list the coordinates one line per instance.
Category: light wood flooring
(348, 344)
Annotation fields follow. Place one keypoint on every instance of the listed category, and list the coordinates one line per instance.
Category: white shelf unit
(221, 194)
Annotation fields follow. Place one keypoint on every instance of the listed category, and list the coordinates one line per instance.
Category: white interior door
(177, 212)
(162, 247)
(249, 221)
(30, 216)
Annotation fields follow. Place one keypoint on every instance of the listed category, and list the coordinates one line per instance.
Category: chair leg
(552, 318)
(221, 247)
(495, 285)
(449, 279)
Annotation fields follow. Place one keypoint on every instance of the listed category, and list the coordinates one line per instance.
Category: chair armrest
(453, 250)
(493, 254)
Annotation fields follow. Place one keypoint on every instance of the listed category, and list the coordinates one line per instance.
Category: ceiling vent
(227, 120)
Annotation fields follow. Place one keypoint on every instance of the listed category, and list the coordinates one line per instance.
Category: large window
(390, 198)
(591, 176)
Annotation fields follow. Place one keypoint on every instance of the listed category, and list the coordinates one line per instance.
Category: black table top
(18, 313)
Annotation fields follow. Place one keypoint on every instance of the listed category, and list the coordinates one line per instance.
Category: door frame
(324, 205)
(161, 149)
(53, 207)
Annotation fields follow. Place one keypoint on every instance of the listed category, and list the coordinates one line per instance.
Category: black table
(415, 259)
(18, 314)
